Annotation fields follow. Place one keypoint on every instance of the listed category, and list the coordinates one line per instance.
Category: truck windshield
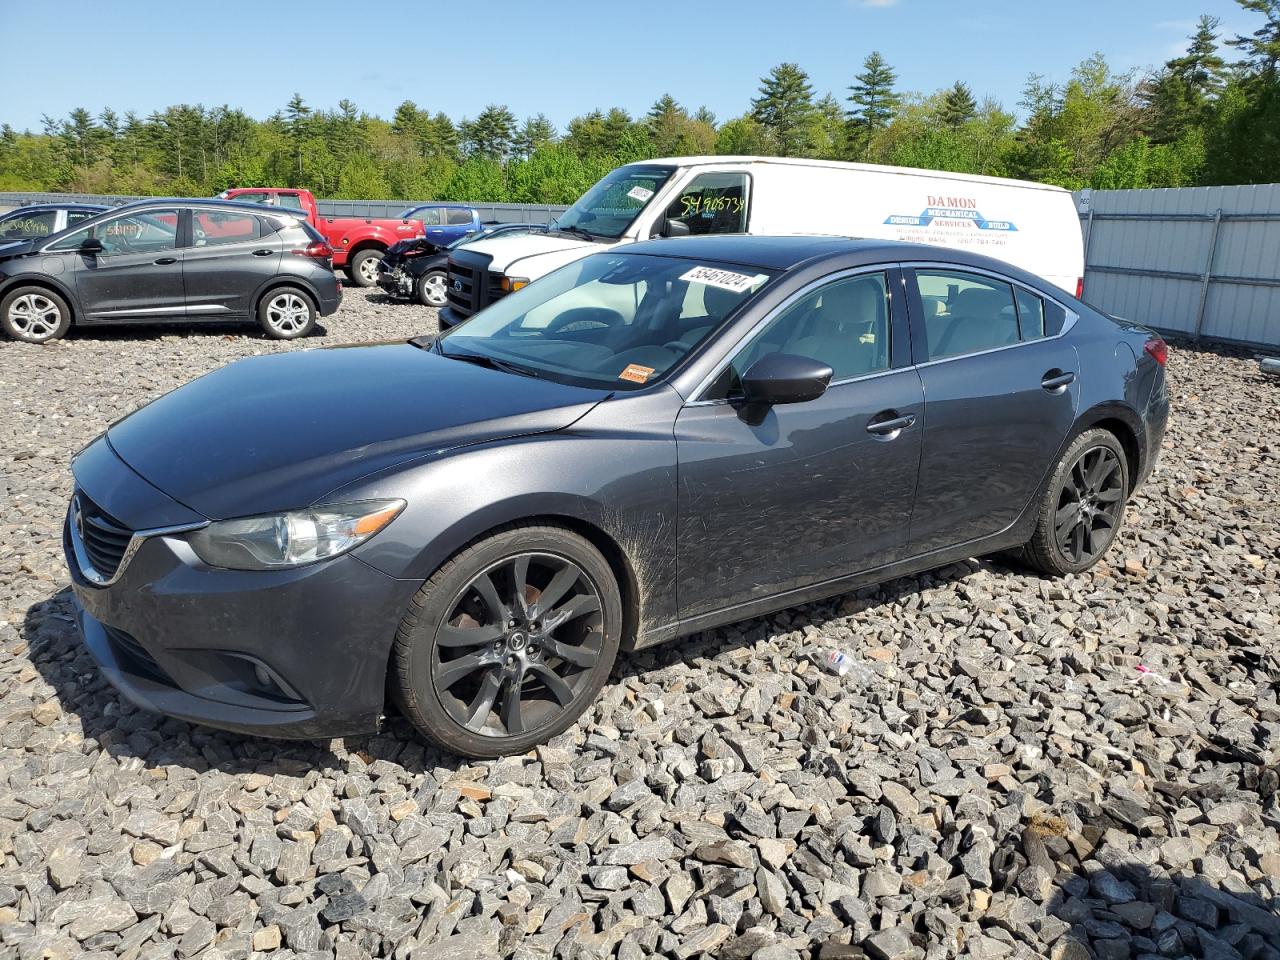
(614, 321)
(608, 208)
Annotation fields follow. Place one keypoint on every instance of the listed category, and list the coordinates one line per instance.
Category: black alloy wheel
(519, 645)
(509, 642)
(1089, 505)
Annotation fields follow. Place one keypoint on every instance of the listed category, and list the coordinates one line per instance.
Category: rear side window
(27, 226)
(457, 217)
(75, 216)
(712, 203)
(1030, 314)
(211, 228)
(290, 200)
(965, 313)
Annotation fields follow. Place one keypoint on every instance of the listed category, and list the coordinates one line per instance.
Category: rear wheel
(363, 268)
(1083, 508)
(286, 313)
(509, 642)
(34, 315)
(431, 288)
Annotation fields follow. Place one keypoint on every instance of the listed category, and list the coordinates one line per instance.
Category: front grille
(462, 288)
(134, 655)
(104, 538)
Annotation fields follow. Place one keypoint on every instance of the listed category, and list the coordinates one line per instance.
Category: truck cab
(443, 223)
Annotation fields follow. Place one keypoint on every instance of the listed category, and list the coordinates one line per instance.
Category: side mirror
(91, 246)
(785, 378)
(670, 228)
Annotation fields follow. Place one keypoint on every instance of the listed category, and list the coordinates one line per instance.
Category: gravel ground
(1016, 767)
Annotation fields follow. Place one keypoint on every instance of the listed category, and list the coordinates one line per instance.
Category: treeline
(1209, 116)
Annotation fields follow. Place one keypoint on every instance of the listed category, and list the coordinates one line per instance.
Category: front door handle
(165, 261)
(890, 427)
(263, 253)
(1057, 379)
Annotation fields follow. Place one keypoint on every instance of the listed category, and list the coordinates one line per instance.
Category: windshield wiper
(577, 232)
(493, 363)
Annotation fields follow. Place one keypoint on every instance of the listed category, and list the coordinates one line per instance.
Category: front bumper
(288, 653)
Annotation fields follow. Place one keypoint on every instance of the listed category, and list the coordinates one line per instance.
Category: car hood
(508, 251)
(280, 432)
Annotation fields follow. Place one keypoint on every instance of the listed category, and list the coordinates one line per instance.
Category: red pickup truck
(358, 243)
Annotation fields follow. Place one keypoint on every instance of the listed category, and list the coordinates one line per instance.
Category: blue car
(443, 223)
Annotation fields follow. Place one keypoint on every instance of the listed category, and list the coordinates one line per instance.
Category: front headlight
(292, 539)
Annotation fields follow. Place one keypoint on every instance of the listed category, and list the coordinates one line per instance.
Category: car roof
(203, 203)
(57, 205)
(787, 252)
(432, 203)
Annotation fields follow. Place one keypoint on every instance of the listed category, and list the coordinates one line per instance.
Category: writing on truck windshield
(612, 205)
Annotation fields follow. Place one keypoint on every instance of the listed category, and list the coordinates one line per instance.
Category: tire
(363, 268)
(457, 690)
(1083, 508)
(431, 288)
(286, 313)
(34, 315)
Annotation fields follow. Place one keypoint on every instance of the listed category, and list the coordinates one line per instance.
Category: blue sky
(560, 57)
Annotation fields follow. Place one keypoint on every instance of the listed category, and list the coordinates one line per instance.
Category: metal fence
(1201, 262)
(505, 212)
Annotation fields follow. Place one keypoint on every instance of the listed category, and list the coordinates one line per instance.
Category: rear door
(138, 273)
(811, 491)
(1001, 387)
(232, 253)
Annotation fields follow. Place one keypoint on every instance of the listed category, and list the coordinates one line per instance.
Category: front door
(137, 275)
(231, 255)
(810, 491)
(1001, 391)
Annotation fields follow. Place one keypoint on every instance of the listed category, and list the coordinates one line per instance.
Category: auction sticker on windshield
(724, 279)
(636, 373)
(640, 193)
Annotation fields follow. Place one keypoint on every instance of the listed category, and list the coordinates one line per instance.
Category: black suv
(170, 260)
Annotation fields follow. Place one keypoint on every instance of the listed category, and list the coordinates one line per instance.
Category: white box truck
(1031, 225)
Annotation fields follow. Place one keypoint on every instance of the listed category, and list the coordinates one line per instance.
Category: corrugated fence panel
(1200, 261)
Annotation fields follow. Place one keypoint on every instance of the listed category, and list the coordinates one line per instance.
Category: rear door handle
(263, 253)
(165, 261)
(1057, 379)
(888, 429)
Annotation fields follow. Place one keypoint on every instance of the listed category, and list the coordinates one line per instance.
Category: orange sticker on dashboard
(636, 373)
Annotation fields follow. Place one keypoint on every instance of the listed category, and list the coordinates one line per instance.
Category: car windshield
(617, 321)
(612, 205)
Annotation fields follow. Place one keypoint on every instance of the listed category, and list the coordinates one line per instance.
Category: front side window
(844, 324)
(612, 321)
(612, 205)
(712, 203)
(28, 226)
(429, 217)
(459, 217)
(210, 228)
(965, 312)
(147, 232)
(249, 198)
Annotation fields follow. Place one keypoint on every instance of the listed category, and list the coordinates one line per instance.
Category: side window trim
(896, 361)
(919, 340)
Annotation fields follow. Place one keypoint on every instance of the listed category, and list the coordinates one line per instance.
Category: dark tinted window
(1030, 314)
(25, 226)
(712, 203)
(965, 313)
(210, 228)
(844, 324)
(457, 217)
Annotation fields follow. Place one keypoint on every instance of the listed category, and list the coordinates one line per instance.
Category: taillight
(1158, 349)
(316, 251)
(1079, 288)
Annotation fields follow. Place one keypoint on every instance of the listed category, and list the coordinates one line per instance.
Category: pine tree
(785, 108)
(873, 96)
(536, 132)
(668, 124)
(1262, 47)
(297, 122)
(490, 135)
(958, 106)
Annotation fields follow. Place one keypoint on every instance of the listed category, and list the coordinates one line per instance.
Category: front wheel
(509, 642)
(1083, 508)
(34, 315)
(363, 268)
(432, 287)
(286, 314)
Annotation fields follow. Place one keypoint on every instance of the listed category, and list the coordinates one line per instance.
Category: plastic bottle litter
(844, 665)
(1270, 365)
(838, 662)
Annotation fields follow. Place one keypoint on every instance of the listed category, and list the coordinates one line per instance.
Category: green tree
(874, 102)
(1261, 48)
(491, 135)
(958, 106)
(785, 108)
(536, 132)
